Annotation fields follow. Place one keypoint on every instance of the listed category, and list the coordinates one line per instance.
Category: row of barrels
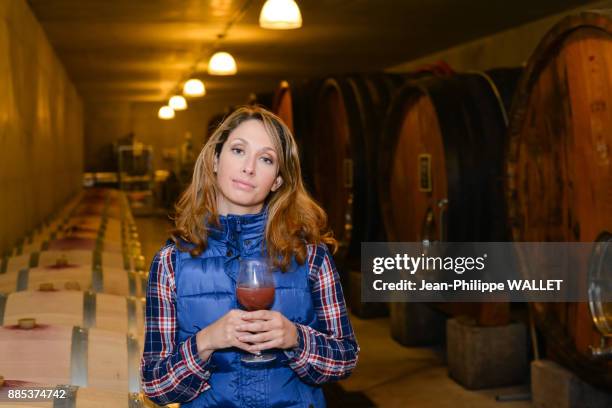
(519, 154)
(72, 307)
(35, 238)
(406, 158)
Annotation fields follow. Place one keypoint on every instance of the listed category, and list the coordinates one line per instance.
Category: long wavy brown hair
(294, 218)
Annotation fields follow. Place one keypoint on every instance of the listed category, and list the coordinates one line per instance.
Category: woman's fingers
(260, 315)
(241, 345)
(263, 329)
(271, 322)
(261, 326)
(260, 337)
(266, 345)
(239, 333)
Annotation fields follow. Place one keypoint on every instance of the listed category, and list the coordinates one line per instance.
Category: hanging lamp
(165, 112)
(280, 15)
(178, 103)
(222, 63)
(194, 87)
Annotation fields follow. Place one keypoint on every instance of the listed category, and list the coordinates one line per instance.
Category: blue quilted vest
(206, 288)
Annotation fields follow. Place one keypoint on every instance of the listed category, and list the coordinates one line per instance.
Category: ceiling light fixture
(194, 87)
(222, 63)
(280, 15)
(177, 102)
(165, 112)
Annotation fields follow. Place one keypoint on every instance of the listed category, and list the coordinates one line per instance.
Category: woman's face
(247, 169)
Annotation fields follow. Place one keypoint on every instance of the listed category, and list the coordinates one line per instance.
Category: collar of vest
(246, 226)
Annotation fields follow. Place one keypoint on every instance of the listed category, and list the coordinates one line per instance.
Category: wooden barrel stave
(294, 103)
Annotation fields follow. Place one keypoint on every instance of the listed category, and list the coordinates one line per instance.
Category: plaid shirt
(173, 372)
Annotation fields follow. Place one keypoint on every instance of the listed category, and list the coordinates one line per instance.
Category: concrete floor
(388, 374)
(391, 375)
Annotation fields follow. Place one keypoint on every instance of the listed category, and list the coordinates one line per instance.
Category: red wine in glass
(255, 298)
(255, 291)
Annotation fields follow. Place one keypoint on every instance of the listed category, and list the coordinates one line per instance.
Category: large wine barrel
(560, 169)
(294, 103)
(71, 355)
(347, 123)
(116, 281)
(442, 166)
(74, 308)
(348, 117)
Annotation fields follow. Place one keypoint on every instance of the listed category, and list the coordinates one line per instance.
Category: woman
(246, 199)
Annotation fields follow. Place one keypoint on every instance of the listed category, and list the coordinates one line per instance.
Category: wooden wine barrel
(443, 150)
(51, 223)
(560, 169)
(128, 261)
(65, 244)
(16, 263)
(71, 355)
(105, 213)
(97, 206)
(73, 236)
(347, 123)
(94, 222)
(348, 118)
(77, 243)
(442, 166)
(107, 232)
(294, 103)
(35, 242)
(82, 258)
(108, 228)
(84, 231)
(70, 396)
(75, 308)
(115, 281)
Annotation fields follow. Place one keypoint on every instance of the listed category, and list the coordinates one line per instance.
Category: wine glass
(255, 291)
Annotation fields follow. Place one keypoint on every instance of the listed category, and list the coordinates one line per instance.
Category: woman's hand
(223, 333)
(267, 329)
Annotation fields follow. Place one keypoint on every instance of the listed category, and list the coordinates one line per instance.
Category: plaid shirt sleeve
(331, 353)
(170, 372)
